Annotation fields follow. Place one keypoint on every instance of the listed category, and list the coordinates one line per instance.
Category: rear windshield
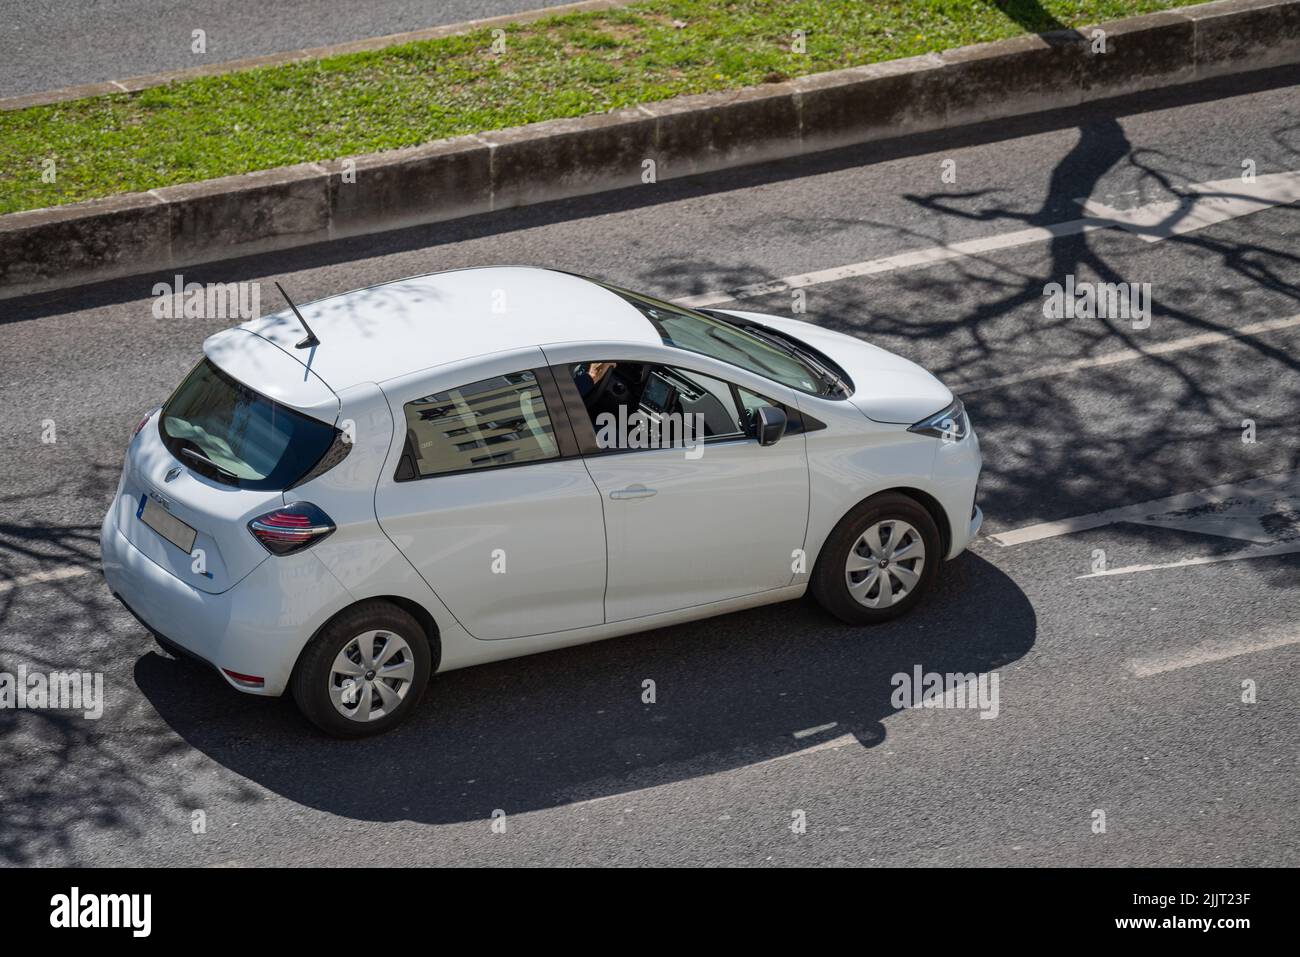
(222, 429)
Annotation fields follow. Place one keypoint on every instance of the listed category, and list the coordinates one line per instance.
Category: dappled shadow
(61, 773)
(570, 725)
(64, 776)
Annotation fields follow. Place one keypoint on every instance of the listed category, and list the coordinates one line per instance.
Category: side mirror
(769, 424)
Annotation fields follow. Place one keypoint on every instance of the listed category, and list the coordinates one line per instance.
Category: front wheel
(878, 561)
(364, 672)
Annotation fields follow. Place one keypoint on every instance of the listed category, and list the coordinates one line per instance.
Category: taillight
(143, 422)
(247, 681)
(291, 528)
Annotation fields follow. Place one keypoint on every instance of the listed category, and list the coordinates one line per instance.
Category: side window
(712, 400)
(677, 406)
(497, 421)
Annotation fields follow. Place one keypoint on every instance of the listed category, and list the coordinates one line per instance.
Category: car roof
(394, 329)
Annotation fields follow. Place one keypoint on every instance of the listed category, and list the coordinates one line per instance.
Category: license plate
(166, 524)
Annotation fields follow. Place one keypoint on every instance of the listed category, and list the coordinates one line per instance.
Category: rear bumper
(256, 629)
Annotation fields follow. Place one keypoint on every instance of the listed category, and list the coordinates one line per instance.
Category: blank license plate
(166, 524)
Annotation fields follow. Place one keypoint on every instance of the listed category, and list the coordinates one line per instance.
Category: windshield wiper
(200, 457)
(828, 378)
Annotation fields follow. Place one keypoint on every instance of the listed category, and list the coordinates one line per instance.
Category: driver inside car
(587, 379)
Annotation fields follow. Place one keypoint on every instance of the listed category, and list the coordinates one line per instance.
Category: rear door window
(221, 428)
(494, 422)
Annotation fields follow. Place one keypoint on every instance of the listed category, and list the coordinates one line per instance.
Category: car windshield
(696, 332)
(221, 428)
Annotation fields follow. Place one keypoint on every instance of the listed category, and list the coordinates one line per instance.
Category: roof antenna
(311, 339)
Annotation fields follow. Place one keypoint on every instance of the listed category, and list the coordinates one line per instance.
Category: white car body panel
(366, 564)
(720, 526)
(724, 526)
(281, 374)
(544, 517)
(448, 317)
(255, 628)
(514, 552)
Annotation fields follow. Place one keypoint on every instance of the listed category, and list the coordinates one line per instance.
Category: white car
(473, 465)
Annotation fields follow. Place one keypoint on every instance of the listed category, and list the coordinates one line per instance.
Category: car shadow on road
(553, 729)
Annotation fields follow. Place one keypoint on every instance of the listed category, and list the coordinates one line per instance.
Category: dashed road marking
(809, 732)
(1207, 653)
(1132, 355)
(1201, 205)
(1286, 548)
(907, 260)
(1257, 497)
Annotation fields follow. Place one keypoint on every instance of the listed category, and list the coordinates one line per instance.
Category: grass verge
(557, 67)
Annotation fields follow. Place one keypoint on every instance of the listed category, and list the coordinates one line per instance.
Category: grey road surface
(44, 46)
(1120, 694)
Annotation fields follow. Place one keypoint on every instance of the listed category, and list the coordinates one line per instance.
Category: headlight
(950, 424)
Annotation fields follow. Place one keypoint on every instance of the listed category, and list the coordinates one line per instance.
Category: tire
(384, 676)
(903, 524)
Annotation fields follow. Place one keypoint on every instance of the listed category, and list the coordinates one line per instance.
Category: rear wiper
(200, 457)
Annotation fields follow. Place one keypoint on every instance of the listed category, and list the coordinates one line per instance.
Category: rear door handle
(633, 491)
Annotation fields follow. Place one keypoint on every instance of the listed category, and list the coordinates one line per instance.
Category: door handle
(633, 491)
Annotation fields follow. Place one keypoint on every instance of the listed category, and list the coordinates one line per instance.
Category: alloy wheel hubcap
(371, 675)
(885, 563)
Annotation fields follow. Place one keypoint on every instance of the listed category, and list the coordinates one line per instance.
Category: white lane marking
(809, 732)
(53, 575)
(834, 744)
(1203, 204)
(1132, 355)
(1286, 548)
(907, 260)
(1266, 489)
(690, 768)
(1207, 653)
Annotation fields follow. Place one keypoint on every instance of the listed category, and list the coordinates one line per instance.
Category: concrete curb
(467, 175)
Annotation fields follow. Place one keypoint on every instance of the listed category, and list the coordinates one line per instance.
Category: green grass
(558, 67)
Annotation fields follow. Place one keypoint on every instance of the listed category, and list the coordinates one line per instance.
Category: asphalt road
(127, 38)
(1119, 693)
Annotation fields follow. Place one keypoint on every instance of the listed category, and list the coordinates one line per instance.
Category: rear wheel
(878, 561)
(364, 672)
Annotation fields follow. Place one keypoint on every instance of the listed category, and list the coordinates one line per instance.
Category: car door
(488, 498)
(690, 526)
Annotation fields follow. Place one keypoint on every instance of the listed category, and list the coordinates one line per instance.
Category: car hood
(886, 387)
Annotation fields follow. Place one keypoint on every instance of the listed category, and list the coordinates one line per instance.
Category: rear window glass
(222, 429)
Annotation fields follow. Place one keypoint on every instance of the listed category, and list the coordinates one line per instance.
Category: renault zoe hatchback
(343, 499)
